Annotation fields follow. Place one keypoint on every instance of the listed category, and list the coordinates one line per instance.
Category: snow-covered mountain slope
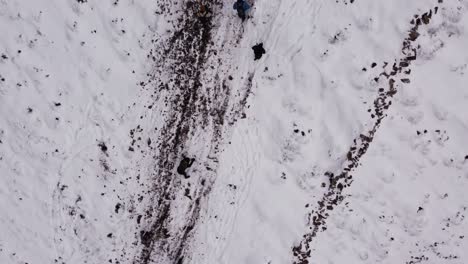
(138, 132)
(314, 95)
(69, 96)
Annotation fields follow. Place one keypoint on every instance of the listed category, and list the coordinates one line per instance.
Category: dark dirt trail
(188, 47)
(399, 72)
(196, 100)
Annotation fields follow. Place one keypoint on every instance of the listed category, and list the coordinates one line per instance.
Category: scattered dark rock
(146, 237)
(187, 193)
(413, 35)
(103, 147)
(426, 17)
(335, 38)
(139, 219)
(104, 165)
(117, 207)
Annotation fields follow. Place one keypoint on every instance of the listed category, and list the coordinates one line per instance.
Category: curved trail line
(343, 179)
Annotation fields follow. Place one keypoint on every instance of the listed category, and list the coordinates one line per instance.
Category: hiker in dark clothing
(203, 11)
(241, 6)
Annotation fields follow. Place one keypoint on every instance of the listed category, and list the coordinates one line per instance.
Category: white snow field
(347, 142)
(69, 83)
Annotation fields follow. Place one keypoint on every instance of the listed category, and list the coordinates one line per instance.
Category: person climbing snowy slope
(242, 7)
(203, 10)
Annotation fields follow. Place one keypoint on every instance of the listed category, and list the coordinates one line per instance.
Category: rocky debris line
(399, 72)
(346, 2)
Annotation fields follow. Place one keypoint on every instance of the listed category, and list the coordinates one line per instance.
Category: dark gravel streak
(185, 58)
(197, 99)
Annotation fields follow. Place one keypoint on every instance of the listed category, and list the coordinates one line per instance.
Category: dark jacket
(241, 5)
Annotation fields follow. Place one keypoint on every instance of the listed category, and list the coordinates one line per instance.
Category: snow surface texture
(137, 132)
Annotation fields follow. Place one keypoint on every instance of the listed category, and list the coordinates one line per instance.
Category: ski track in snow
(137, 132)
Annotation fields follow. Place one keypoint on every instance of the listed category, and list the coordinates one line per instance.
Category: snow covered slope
(314, 95)
(70, 72)
(137, 132)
